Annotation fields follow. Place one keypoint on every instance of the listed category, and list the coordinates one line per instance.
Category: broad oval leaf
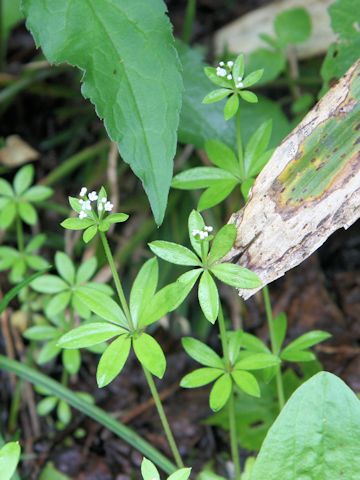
(220, 392)
(113, 360)
(9, 458)
(131, 75)
(150, 354)
(89, 334)
(200, 377)
(102, 305)
(200, 352)
(315, 436)
(236, 276)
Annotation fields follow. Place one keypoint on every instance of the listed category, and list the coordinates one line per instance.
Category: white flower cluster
(224, 70)
(202, 234)
(104, 204)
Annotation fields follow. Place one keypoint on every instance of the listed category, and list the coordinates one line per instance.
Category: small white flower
(239, 85)
(86, 205)
(108, 206)
(239, 79)
(82, 214)
(81, 201)
(220, 72)
(229, 77)
(104, 200)
(195, 232)
(83, 191)
(209, 229)
(100, 207)
(93, 196)
(221, 64)
(203, 235)
(230, 63)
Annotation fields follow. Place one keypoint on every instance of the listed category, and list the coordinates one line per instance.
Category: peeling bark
(309, 188)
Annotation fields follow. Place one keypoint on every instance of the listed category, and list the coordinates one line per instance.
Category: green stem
(189, 20)
(19, 234)
(231, 404)
(164, 420)
(116, 278)
(55, 388)
(274, 348)
(239, 144)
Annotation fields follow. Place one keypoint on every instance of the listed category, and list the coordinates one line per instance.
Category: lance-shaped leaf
(314, 437)
(309, 188)
(131, 75)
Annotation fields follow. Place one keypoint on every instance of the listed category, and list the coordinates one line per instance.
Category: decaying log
(242, 35)
(309, 188)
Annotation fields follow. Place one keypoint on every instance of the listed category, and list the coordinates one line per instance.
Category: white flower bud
(108, 206)
(230, 63)
(83, 191)
(82, 214)
(93, 196)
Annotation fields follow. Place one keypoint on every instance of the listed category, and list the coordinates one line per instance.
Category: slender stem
(189, 20)
(164, 421)
(239, 144)
(19, 234)
(148, 376)
(270, 320)
(116, 278)
(231, 404)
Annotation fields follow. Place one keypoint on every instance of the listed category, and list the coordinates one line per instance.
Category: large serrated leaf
(316, 435)
(131, 75)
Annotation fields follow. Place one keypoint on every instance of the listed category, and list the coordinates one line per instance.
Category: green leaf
(148, 470)
(90, 233)
(280, 327)
(58, 303)
(293, 26)
(307, 340)
(201, 353)
(9, 458)
(253, 343)
(48, 284)
(246, 382)
(253, 78)
(86, 270)
(63, 412)
(41, 332)
(234, 345)
(259, 163)
(27, 213)
(89, 334)
(246, 187)
(49, 351)
(181, 474)
(77, 223)
(196, 222)
(15, 290)
(216, 194)
(174, 253)
(231, 106)
(248, 96)
(222, 243)
(36, 262)
(298, 356)
(23, 179)
(257, 145)
(101, 304)
(210, 72)
(75, 204)
(6, 188)
(127, 79)
(143, 288)
(150, 354)
(313, 436)
(65, 267)
(236, 276)
(7, 215)
(257, 361)
(113, 360)
(200, 377)
(222, 156)
(220, 392)
(71, 361)
(35, 243)
(239, 67)
(38, 193)
(216, 95)
(46, 405)
(200, 177)
(208, 297)
(115, 218)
